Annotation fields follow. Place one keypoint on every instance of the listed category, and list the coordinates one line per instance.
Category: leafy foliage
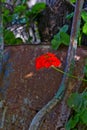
(10, 38)
(69, 16)
(63, 38)
(78, 103)
(83, 27)
(37, 8)
(84, 17)
(21, 15)
(72, 1)
(60, 38)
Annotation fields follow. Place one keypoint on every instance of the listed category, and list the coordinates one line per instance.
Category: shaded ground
(29, 90)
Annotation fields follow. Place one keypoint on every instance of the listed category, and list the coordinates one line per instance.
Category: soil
(25, 90)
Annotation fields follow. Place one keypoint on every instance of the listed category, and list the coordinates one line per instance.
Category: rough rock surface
(29, 90)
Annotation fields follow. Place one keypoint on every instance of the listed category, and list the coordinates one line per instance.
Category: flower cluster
(47, 60)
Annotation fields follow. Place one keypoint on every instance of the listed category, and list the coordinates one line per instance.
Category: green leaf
(72, 122)
(69, 16)
(20, 9)
(3, 0)
(65, 38)
(84, 16)
(18, 41)
(72, 1)
(9, 37)
(75, 101)
(7, 17)
(37, 8)
(6, 12)
(64, 28)
(56, 41)
(84, 116)
(84, 29)
(55, 44)
(60, 38)
(79, 103)
(84, 95)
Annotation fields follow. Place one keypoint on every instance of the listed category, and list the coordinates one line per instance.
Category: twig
(69, 75)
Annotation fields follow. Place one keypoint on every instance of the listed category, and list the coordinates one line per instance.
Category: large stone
(28, 90)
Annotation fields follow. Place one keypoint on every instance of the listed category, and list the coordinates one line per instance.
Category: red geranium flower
(47, 60)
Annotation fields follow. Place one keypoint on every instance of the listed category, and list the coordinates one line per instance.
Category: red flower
(47, 60)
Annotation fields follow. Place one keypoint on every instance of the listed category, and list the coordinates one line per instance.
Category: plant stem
(69, 75)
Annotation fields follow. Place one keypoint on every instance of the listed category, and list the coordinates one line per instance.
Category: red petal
(47, 60)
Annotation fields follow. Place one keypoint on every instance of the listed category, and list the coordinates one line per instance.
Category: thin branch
(69, 75)
(73, 42)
